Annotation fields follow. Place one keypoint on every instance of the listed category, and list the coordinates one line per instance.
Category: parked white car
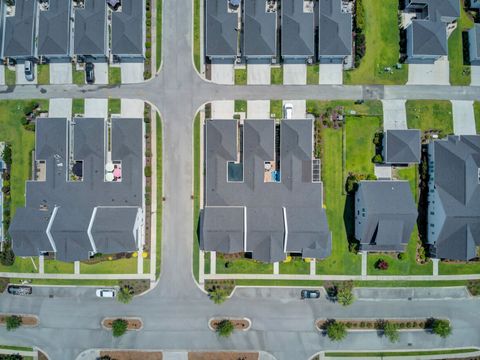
(287, 111)
(106, 293)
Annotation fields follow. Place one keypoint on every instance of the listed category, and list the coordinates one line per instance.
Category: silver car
(29, 73)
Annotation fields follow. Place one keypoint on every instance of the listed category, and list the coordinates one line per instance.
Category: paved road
(176, 311)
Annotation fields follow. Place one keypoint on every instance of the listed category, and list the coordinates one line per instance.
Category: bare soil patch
(238, 324)
(133, 324)
(132, 355)
(27, 320)
(222, 356)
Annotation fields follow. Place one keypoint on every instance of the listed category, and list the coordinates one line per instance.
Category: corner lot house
(263, 193)
(87, 193)
(221, 26)
(260, 30)
(19, 30)
(128, 31)
(385, 215)
(402, 147)
(454, 197)
(298, 30)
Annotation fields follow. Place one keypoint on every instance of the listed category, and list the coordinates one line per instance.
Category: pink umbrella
(117, 172)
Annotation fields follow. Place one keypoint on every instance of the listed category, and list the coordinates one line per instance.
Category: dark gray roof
(474, 38)
(223, 229)
(335, 29)
(260, 29)
(297, 30)
(438, 9)
(269, 205)
(402, 146)
(91, 28)
(429, 38)
(73, 202)
(127, 28)
(54, 29)
(388, 214)
(28, 229)
(19, 30)
(457, 185)
(221, 36)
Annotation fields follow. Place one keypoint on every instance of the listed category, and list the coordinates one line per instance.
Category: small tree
(345, 295)
(225, 328)
(378, 159)
(13, 322)
(7, 257)
(119, 327)
(390, 330)
(336, 331)
(441, 327)
(381, 264)
(218, 296)
(125, 294)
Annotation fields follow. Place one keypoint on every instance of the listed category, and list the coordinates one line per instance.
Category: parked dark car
(90, 73)
(310, 294)
(19, 290)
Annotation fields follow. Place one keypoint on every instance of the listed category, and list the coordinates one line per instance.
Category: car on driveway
(287, 111)
(19, 290)
(90, 73)
(106, 293)
(29, 74)
(310, 294)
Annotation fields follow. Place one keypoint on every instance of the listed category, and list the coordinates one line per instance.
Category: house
(474, 41)
(402, 147)
(335, 29)
(221, 29)
(454, 197)
(385, 215)
(298, 30)
(128, 31)
(475, 4)
(19, 30)
(90, 33)
(54, 30)
(263, 193)
(260, 30)
(79, 207)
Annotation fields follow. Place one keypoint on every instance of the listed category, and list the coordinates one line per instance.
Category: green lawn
(366, 108)
(276, 108)
(446, 268)
(159, 194)
(159, 33)
(410, 173)
(459, 73)
(240, 76)
(114, 75)
(196, 34)
(295, 266)
(276, 75)
(242, 266)
(430, 115)
(114, 106)
(382, 46)
(196, 193)
(10, 77)
(66, 282)
(240, 106)
(121, 266)
(399, 353)
(207, 260)
(78, 106)
(58, 267)
(43, 74)
(316, 283)
(21, 265)
(342, 261)
(476, 108)
(18, 348)
(313, 74)
(360, 149)
(78, 77)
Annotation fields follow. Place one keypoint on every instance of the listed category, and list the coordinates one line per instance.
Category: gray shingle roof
(457, 203)
(297, 30)
(438, 9)
(19, 30)
(91, 28)
(429, 38)
(223, 229)
(127, 28)
(221, 36)
(335, 30)
(474, 38)
(260, 29)
(385, 215)
(28, 229)
(402, 146)
(54, 29)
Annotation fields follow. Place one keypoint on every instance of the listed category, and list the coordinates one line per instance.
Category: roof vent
(234, 4)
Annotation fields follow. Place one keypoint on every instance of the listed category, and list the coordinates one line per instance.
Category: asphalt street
(176, 312)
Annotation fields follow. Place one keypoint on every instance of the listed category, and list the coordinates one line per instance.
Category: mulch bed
(222, 356)
(26, 319)
(356, 324)
(238, 324)
(132, 355)
(133, 324)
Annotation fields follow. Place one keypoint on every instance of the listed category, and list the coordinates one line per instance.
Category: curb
(123, 318)
(232, 318)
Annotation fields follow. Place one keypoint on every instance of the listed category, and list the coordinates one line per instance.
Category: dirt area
(222, 356)
(238, 324)
(133, 324)
(26, 320)
(132, 355)
(42, 356)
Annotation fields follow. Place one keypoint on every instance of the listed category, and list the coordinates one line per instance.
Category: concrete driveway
(60, 108)
(223, 109)
(258, 109)
(101, 73)
(258, 74)
(132, 72)
(132, 108)
(223, 73)
(96, 108)
(394, 114)
(2, 74)
(299, 108)
(20, 75)
(294, 74)
(331, 74)
(61, 73)
(475, 75)
(437, 73)
(463, 118)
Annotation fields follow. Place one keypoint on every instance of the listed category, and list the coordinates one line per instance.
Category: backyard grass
(430, 114)
(242, 266)
(365, 108)
(78, 106)
(114, 106)
(240, 106)
(382, 46)
(196, 193)
(410, 173)
(295, 266)
(21, 265)
(360, 149)
(313, 74)
(196, 34)
(452, 268)
(10, 77)
(114, 75)
(58, 267)
(121, 266)
(240, 76)
(276, 75)
(159, 195)
(78, 76)
(459, 72)
(43, 74)
(159, 33)
(276, 108)
(476, 108)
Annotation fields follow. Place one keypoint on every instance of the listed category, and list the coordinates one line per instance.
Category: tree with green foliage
(336, 331)
(218, 296)
(125, 294)
(345, 295)
(119, 327)
(441, 327)
(13, 322)
(7, 256)
(390, 330)
(225, 328)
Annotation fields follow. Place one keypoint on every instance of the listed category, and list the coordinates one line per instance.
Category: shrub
(474, 287)
(7, 257)
(378, 159)
(336, 331)
(401, 256)
(119, 327)
(13, 322)
(218, 296)
(390, 330)
(381, 264)
(362, 324)
(7, 155)
(125, 294)
(441, 327)
(148, 171)
(225, 328)
(345, 295)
